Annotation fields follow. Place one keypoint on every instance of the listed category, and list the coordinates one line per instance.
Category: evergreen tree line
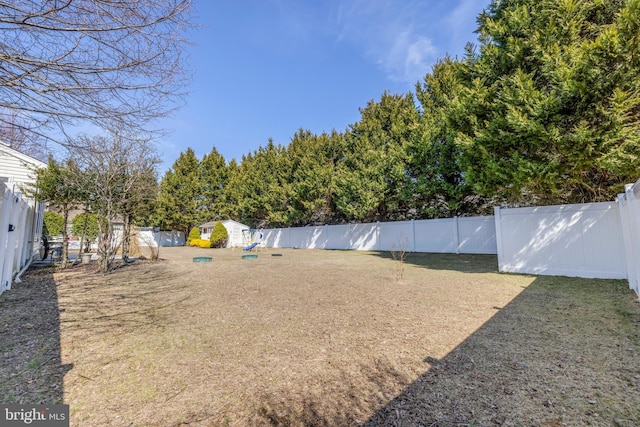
(545, 109)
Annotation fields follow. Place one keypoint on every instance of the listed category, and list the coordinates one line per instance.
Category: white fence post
(20, 235)
(6, 198)
(629, 208)
(10, 251)
(497, 218)
(413, 233)
(457, 233)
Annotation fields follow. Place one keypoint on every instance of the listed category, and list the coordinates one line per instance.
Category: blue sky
(266, 68)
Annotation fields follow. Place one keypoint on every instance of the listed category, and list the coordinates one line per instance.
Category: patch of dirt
(321, 338)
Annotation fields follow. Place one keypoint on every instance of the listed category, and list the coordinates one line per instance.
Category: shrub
(86, 224)
(53, 224)
(205, 243)
(200, 243)
(219, 236)
(193, 235)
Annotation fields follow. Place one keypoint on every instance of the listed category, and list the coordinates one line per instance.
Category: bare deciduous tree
(120, 180)
(13, 133)
(115, 64)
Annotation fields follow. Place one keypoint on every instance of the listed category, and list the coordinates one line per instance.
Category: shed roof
(224, 222)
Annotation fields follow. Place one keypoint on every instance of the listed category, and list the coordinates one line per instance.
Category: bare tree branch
(115, 64)
(121, 181)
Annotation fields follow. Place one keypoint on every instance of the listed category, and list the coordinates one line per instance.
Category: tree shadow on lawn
(31, 370)
(564, 352)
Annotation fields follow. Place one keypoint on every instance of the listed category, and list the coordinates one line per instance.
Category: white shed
(234, 229)
(16, 168)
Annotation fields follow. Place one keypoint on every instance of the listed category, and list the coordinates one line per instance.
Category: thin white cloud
(462, 21)
(391, 34)
(404, 38)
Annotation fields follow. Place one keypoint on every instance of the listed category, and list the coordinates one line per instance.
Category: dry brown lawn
(321, 338)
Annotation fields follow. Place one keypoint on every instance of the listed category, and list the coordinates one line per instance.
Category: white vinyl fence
(474, 235)
(569, 240)
(20, 229)
(149, 237)
(629, 205)
(592, 240)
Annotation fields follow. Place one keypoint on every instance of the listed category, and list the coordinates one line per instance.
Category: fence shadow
(564, 352)
(467, 263)
(31, 369)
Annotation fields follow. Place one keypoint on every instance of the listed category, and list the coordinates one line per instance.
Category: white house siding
(17, 169)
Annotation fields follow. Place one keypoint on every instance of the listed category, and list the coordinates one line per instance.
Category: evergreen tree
(53, 224)
(194, 234)
(550, 110)
(85, 225)
(178, 203)
(314, 160)
(372, 174)
(259, 187)
(60, 185)
(437, 187)
(219, 236)
(212, 180)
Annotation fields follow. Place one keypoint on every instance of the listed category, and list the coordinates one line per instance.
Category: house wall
(16, 169)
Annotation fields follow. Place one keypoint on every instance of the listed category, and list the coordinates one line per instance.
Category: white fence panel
(629, 206)
(18, 234)
(568, 240)
(364, 237)
(337, 237)
(437, 235)
(148, 237)
(315, 237)
(170, 238)
(298, 235)
(451, 235)
(395, 236)
(20, 227)
(275, 238)
(477, 235)
(7, 201)
(15, 208)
